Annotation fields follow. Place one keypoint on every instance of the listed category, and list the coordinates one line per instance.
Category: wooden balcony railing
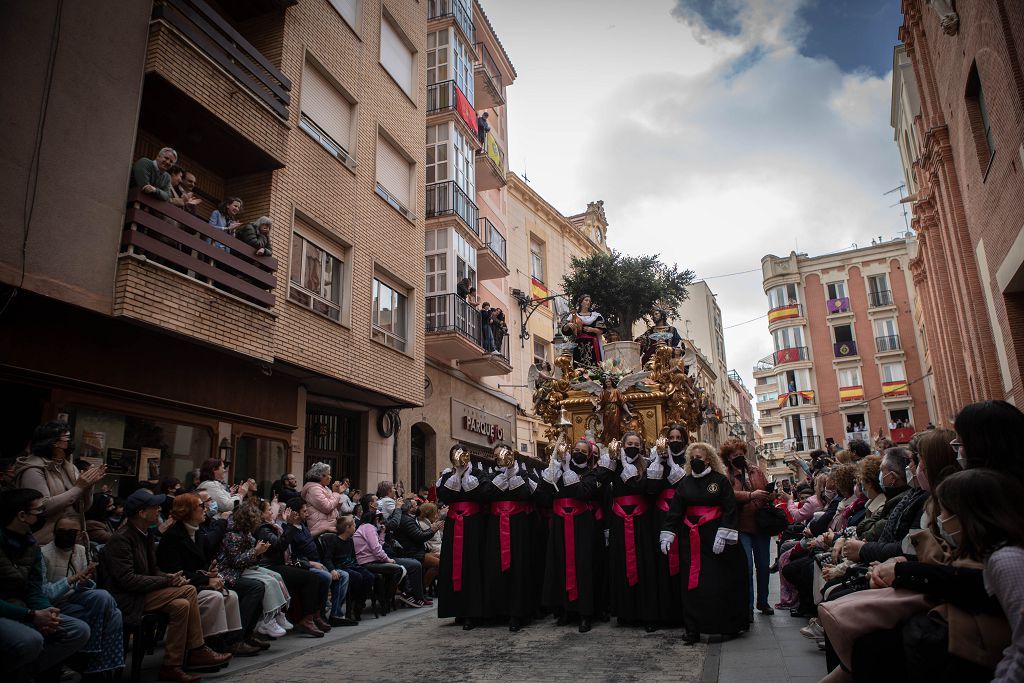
(187, 244)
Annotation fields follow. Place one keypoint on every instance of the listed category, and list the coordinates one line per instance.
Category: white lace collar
(703, 474)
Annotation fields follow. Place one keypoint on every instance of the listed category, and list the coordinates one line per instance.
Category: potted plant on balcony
(625, 289)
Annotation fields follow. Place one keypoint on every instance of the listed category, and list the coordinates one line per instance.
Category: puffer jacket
(323, 507)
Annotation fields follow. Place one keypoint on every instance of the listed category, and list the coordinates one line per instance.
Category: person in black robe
(664, 472)
(703, 514)
(540, 521)
(632, 535)
(509, 566)
(574, 562)
(460, 583)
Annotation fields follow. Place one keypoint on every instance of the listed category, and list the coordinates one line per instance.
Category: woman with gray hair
(257, 234)
(323, 498)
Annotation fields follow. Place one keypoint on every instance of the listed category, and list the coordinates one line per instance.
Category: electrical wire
(729, 327)
(739, 272)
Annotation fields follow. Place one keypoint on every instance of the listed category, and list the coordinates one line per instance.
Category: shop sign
(477, 426)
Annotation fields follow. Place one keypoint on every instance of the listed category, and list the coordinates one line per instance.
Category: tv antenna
(901, 204)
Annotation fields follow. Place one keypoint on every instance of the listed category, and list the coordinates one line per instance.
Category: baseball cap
(142, 498)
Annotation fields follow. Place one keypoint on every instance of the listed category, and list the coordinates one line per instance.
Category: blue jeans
(25, 651)
(97, 608)
(757, 548)
(337, 588)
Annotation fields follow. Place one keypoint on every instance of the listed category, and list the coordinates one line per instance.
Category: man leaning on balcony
(150, 175)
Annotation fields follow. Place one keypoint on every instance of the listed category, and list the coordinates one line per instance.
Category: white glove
(454, 482)
(655, 469)
(569, 477)
(605, 460)
(515, 481)
(469, 481)
(607, 534)
(629, 471)
(675, 473)
(500, 480)
(666, 538)
(533, 485)
(719, 545)
(724, 537)
(552, 472)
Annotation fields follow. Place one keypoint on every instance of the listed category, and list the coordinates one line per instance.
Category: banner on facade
(851, 393)
(494, 152)
(539, 291)
(787, 356)
(900, 388)
(475, 426)
(783, 313)
(806, 395)
(840, 305)
(465, 110)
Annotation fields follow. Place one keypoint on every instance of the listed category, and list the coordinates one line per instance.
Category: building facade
(700, 321)
(163, 340)
(847, 360)
(958, 89)
(739, 419)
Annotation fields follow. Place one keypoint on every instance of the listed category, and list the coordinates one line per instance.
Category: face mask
(947, 536)
(39, 523)
(698, 466)
(579, 458)
(829, 494)
(739, 462)
(212, 509)
(676, 447)
(881, 480)
(962, 461)
(65, 538)
(632, 452)
(908, 474)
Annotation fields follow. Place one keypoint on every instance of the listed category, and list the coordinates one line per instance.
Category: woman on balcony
(225, 217)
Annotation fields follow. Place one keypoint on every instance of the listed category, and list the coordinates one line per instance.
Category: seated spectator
(370, 553)
(339, 554)
(257, 235)
(225, 217)
(412, 539)
(170, 487)
(48, 469)
(285, 488)
(35, 638)
(324, 499)
(182, 550)
(988, 435)
(893, 483)
(99, 518)
(427, 518)
(150, 175)
(69, 586)
(306, 552)
(387, 505)
(214, 526)
(131, 574)
(239, 562)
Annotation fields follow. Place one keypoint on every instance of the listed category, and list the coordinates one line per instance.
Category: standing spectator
(462, 288)
(482, 127)
(257, 235)
(500, 329)
(150, 175)
(48, 469)
(486, 329)
(213, 480)
(472, 299)
(69, 586)
(185, 191)
(323, 498)
(35, 638)
(750, 486)
(132, 577)
(225, 217)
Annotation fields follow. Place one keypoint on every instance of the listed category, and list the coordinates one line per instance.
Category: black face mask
(739, 462)
(70, 450)
(698, 466)
(676, 447)
(579, 458)
(39, 523)
(632, 452)
(65, 538)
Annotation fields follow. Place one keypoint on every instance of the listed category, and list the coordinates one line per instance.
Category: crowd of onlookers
(493, 328)
(222, 570)
(908, 561)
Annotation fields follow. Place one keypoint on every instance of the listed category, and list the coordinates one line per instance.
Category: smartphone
(787, 487)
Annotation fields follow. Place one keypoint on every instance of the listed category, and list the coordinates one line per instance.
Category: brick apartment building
(958, 98)
(117, 312)
(847, 361)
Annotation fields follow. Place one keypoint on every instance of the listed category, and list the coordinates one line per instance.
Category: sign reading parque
(477, 426)
(474, 424)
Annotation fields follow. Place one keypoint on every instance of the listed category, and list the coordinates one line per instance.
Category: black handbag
(770, 520)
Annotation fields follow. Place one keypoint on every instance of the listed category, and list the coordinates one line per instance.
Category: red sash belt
(567, 509)
(704, 513)
(664, 500)
(639, 504)
(503, 510)
(457, 512)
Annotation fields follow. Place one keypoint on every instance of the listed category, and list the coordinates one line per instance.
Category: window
(437, 56)
(900, 417)
(788, 338)
(326, 113)
(843, 333)
(349, 11)
(980, 121)
(465, 163)
(437, 261)
(536, 260)
(437, 154)
(540, 352)
(262, 460)
(395, 55)
(389, 315)
(394, 176)
(849, 377)
(465, 258)
(316, 277)
(783, 295)
(886, 327)
(878, 291)
(464, 64)
(893, 372)
(836, 290)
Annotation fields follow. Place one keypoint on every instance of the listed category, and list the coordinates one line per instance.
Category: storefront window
(263, 460)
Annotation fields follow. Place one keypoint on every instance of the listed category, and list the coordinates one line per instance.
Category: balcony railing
(844, 349)
(493, 239)
(880, 298)
(448, 199)
(438, 9)
(189, 245)
(491, 71)
(888, 343)
(452, 313)
(781, 357)
(447, 95)
(204, 27)
(800, 444)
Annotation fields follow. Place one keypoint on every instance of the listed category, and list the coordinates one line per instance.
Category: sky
(715, 131)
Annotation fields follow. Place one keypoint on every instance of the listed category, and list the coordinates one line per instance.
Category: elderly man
(132, 577)
(151, 175)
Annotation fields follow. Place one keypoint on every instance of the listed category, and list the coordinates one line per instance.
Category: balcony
(447, 97)
(448, 199)
(796, 398)
(456, 12)
(801, 444)
(489, 91)
(880, 299)
(171, 274)
(787, 312)
(838, 306)
(888, 343)
(845, 349)
(490, 165)
(491, 260)
(454, 332)
(782, 357)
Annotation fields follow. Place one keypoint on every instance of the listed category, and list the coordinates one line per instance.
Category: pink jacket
(323, 507)
(367, 544)
(803, 513)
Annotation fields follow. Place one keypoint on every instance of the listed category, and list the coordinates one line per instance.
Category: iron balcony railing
(491, 69)
(444, 96)
(448, 199)
(493, 239)
(888, 343)
(800, 444)
(781, 357)
(452, 313)
(880, 298)
(438, 9)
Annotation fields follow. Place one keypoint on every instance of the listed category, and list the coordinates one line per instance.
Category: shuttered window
(395, 56)
(394, 172)
(328, 110)
(349, 11)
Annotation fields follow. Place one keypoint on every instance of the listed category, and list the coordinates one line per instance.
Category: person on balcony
(499, 329)
(225, 217)
(482, 127)
(486, 329)
(463, 288)
(257, 235)
(151, 175)
(181, 195)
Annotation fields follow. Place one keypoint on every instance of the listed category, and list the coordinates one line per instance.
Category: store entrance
(333, 437)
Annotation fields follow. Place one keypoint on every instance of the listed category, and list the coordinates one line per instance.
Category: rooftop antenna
(900, 188)
(528, 180)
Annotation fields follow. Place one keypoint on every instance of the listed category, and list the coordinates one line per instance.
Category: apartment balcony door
(333, 436)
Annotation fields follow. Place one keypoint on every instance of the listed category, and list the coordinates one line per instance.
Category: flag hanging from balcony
(465, 110)
(494, 151)
(851, 393)
(539, 291)
(783, 312)
(899, 388)
(841, 305)
(805, 395)
(787, 356)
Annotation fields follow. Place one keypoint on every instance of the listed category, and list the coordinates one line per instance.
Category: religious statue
(609, 398)
(586, 326)
(659, 334)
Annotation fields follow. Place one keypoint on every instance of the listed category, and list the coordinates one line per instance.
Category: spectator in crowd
(306, 553)
(500, 329)
(185, 191)
(151, 175)
(181, 549)
(35, 638)
(324, 499)
(422, 494)
(239, 562)
(48, 469)
(482, 126)
(69, 586)
(472, 299)
(170, 487)
(750, 486)
(893, 483)
(859, 448)
(988, 435)
(427, 518)
(132, 576)
(213, 480)
(486, 329)
(412, 538)
(387, 505)
(225, 217)
(257, 235)
(462, 288)
(214, 526)
(7, 478)
(286, 488)
(99, 518)
(370, 552)
(337, 553)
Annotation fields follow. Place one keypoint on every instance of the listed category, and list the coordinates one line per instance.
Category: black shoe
(798, 613)
(765, 609)
(690, 638)
(514, 625)
(584, 624)
(342, 621)
(651, 628)
(468, 625)
(619, 621)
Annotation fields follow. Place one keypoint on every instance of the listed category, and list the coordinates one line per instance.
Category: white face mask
(908, 474)
(948, 537)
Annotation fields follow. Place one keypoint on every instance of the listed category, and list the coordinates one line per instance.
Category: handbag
(770, 520)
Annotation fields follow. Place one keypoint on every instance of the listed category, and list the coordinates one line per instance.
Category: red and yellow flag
(900, 388)
(784, 312)
(539, 291)
(851, 393)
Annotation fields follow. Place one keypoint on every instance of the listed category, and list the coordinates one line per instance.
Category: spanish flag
(851, 393)
(539, 291)
(900, 388)
(784, 312)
